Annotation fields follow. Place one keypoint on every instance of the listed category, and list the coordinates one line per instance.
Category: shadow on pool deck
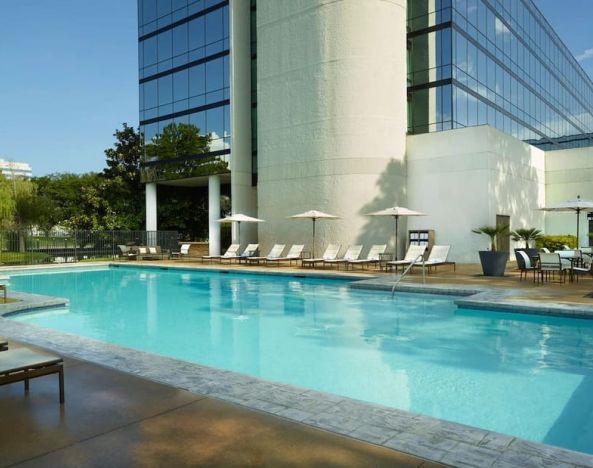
(116, 419)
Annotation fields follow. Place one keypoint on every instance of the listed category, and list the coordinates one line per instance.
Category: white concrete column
(151, 206)
(243, 195)
(214, 215)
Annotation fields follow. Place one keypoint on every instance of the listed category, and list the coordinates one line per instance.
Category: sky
(69, 78)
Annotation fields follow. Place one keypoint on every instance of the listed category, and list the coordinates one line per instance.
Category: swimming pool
(524, 375)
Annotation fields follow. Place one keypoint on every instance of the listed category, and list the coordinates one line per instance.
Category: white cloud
(500, 27)
(587, 54)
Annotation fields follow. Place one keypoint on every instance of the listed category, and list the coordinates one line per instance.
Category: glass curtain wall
(497, 62)
(183, 48)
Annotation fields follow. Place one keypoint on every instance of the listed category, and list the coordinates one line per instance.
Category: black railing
(32, 248)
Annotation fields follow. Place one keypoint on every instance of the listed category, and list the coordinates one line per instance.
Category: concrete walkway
(116, 419)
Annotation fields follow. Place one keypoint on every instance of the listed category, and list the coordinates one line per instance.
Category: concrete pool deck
(436, 440)
(112, 418)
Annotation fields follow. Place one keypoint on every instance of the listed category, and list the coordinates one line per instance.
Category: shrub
(557, 242)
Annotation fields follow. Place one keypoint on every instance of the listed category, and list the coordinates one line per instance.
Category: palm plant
(527, 235)
(493, 232)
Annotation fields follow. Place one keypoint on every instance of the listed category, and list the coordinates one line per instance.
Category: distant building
(11, 169)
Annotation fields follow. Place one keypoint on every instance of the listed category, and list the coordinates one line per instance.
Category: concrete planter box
(493, 263)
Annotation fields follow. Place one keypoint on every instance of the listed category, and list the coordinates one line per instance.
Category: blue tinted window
(180, 39)
(165, 47)
(150, 94)
(214, 75)
(150, 51)
(180, 85)
(165, 90)
(148, 11)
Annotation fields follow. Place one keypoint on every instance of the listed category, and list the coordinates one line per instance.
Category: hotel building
(471, 111)
(13, 169)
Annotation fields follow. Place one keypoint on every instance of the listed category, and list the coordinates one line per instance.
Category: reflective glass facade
(183, 48)
(497, 62)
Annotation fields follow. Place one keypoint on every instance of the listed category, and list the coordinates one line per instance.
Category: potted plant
(527, 235)
(493, 263)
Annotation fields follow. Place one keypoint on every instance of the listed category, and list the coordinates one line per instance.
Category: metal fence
(32, 248)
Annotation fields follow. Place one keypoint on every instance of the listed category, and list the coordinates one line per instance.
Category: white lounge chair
(412, 255)
(183, 251)
(438, 256)
(373, 257)
(249, 252)
(331, 253)
(353, 253)
(294, 255)
(231, 252)
(275, 252)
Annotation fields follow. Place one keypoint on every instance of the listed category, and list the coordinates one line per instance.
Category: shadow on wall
(515, 190)
(391, 192)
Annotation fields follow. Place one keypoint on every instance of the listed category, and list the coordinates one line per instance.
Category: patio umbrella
(314, 215)
(578, 206)
(239, 218)
(396, 212)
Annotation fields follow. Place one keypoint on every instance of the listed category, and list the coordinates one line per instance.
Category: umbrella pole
(396, 218)
(239, 232)
(578, 219)
(313, 249)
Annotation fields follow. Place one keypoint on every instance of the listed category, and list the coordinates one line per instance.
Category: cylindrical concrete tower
(332, 117)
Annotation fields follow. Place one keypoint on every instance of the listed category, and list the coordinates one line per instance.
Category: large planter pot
(493, 263)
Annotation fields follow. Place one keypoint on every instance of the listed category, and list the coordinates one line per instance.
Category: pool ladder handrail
(409, 267)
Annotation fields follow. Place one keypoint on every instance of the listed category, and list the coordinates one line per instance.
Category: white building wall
(463, 178)
(569, 173)
(331, 117)
(243, 195)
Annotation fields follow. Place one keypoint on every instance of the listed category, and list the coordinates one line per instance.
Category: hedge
(557, 242)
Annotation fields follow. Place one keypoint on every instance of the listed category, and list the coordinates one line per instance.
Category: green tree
(123, 189)
(6, 201)
(178, 140)
(27, 210)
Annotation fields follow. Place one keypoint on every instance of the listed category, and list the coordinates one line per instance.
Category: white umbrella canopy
(314, 215)
(577, 206)
(396, 212)
(240, 218)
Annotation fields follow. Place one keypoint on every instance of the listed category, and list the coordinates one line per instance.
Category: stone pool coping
(427, 437)
(495, 299)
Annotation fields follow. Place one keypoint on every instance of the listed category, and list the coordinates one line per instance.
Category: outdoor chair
(3, 345)
(275, 252)
(331, 253)
(183, 252)
(546, 250)
(413, 254)
(550, 264)
(4, 285)
(150, 253)
(438, 256)
(373, 257)
(127, 252)
(294, 255)
(249, 252)
(22, 364)
(353, 253)
(586, 268)
(231, 252)
(525, 264)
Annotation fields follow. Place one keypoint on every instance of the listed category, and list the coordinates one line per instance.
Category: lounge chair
(438, 256)
(127, 252)
(331, 253)
(373, 257)
(249, 252)
(545, 250)
(585, 269)
(412, 255)
(183, 252)
(3, 345)
(275, 252)
(22, 364)
(353, 253)
(231, 252)
(294, 255)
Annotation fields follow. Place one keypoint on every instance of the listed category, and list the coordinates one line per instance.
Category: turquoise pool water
(518, 374)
